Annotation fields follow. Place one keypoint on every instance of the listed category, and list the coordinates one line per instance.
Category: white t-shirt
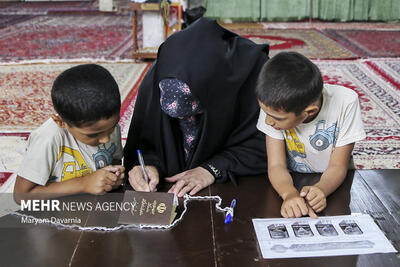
(309, 145)
(54, 155)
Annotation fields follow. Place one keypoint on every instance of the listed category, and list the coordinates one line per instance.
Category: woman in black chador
(196, 111)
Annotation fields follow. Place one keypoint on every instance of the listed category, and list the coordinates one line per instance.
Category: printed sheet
(325, 236)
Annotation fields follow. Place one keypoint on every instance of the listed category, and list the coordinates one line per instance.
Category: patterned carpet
(368, 43)
(67, 37)
(110, 37)
(44, 8)
(320, 25)
(357, 39)
(309, 42)
(377, 84)
(12, 149)
(25, 91)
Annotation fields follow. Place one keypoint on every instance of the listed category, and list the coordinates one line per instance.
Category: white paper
(153, 29)
(325, 236)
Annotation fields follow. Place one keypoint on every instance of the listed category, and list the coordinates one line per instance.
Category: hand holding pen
(142, 177)
(143, 167)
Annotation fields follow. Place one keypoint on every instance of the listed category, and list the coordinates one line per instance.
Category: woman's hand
(137, 181)
(191, 181)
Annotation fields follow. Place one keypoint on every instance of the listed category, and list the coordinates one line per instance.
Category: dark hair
(289, 82)
(85, 94)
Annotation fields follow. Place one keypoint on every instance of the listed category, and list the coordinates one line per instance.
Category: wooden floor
(201, 238)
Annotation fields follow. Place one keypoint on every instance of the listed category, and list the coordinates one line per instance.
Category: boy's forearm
(24, 189)
(331, 179)
(69, 187)
(282, 181)
(336, 172)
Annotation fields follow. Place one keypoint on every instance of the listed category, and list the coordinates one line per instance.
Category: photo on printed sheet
(302, 229)
(350, 227)
(326, 229)
(278, 231)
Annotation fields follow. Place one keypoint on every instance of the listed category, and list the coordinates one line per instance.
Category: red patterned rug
(377, 84)
(43, 8)
(12, 149)
(308, 42)
(4, 177)
(368, 43)
(332, 25)
(388, 69)
(67, 37)
(25, 91)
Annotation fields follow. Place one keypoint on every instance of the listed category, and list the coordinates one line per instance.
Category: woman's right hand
(136, 178)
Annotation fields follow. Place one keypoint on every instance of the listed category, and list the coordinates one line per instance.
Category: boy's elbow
(22, 188)
(17, 198)
(19, 195)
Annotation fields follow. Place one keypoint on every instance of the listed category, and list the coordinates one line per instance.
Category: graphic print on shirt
(295, 149)
(74, 164)
(293, 144)
(104, 156)
(297, 166)
(323, 137)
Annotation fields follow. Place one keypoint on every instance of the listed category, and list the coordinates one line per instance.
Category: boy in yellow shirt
(77, 150)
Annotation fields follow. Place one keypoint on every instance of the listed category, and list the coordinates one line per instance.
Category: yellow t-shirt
(54, 155)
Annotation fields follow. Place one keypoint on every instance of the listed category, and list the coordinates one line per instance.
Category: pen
(229, 213)
(141, 161)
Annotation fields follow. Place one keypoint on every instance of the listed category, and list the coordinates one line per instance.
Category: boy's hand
(99, 182)
(190, 181)
(119, 171)
(137, 181)
(315, 197)
(294, 206)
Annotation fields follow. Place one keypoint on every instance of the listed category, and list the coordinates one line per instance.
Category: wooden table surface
(202, 238)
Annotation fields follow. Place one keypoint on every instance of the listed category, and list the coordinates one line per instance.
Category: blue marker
(229, 213)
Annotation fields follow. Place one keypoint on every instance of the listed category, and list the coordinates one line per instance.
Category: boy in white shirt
(78, 150)
(310, 127)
